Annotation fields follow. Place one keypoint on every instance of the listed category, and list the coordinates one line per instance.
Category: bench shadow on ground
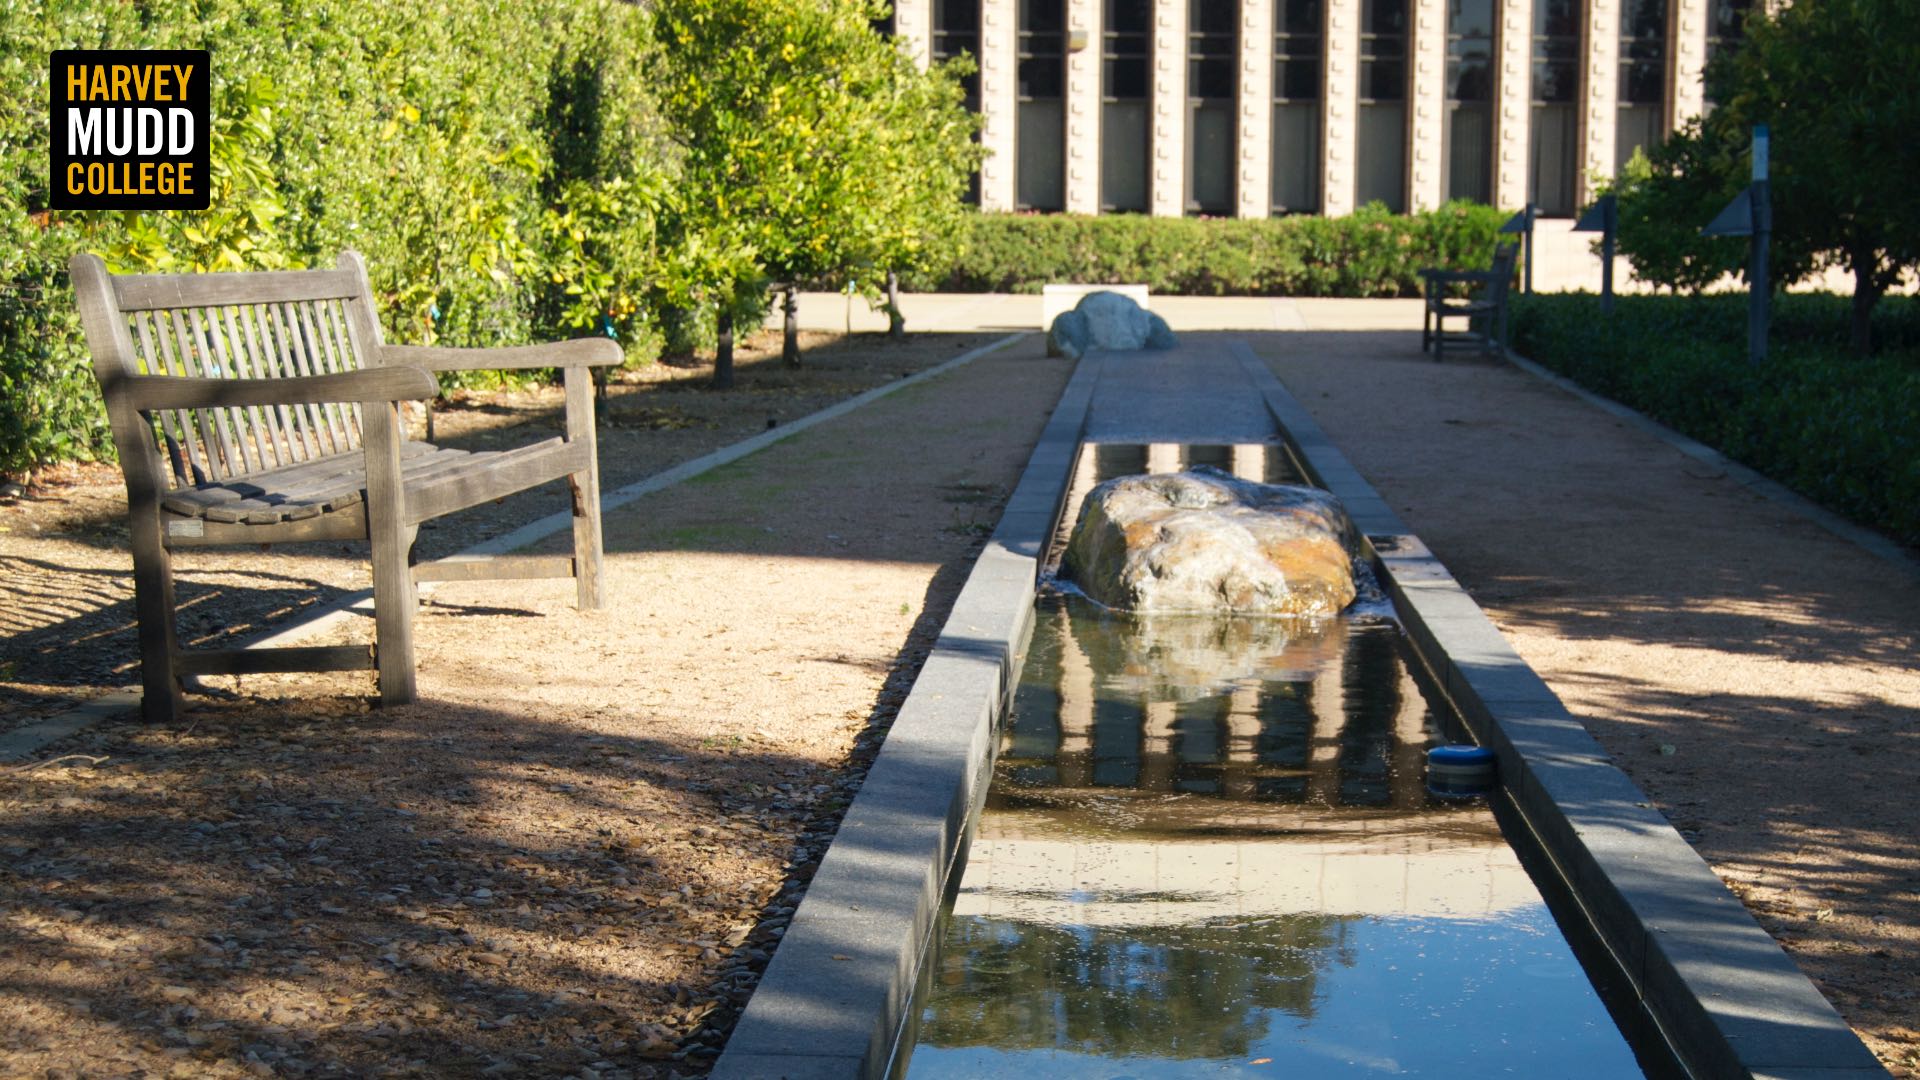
(319, 910)
(48, 624)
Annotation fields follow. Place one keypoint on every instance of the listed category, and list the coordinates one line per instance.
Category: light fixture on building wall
(1076, 40)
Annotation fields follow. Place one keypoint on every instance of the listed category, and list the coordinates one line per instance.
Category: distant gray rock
(1203, 541)
(1159, 334)
(1069, 335)
(1107, 320)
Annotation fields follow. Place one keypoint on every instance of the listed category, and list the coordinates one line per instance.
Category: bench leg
(393, 595)
(584, 487)
(161, 699)
(393, 604)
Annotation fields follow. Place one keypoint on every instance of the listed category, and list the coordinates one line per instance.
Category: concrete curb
(1710, 982)
(1872, 542)
(837, 992)
(32, 737)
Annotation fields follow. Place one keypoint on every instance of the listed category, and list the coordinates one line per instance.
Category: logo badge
(129, 129)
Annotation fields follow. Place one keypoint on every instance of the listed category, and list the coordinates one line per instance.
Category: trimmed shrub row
(1369, 253)
(1841, 429)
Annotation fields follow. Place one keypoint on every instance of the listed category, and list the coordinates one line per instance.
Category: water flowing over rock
(1107, 320)
(1203, 541)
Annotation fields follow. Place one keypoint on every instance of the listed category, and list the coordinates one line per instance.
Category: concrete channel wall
(1710, 982)
(837, 991)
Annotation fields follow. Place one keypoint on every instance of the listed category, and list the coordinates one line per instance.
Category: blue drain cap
(1460, 770)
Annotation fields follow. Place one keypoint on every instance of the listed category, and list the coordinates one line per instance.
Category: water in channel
(1208, 849)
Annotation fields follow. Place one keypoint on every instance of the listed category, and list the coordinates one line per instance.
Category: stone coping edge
(30, 738)
(1709, 981)
(836, 994)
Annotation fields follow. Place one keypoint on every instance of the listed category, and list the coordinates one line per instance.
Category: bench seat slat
(438, 476)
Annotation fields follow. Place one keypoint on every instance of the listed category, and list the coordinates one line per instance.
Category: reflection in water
(1208, 849)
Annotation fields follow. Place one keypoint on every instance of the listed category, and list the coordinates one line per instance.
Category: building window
(1125, 111)
(1297, 48)
(1469, 118)
(1041, 167)
(1213, 50)
(1556, 123)
(956, 32)
(1643, 78)
(1382, 156)
(1726, 29)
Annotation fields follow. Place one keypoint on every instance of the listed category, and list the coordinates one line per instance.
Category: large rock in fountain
(1107, 320)
(1202, 541)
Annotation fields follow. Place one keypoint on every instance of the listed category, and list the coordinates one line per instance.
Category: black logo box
(84, 130)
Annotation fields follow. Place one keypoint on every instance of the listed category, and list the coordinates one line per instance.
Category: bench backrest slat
(248, 325)
(145, 292)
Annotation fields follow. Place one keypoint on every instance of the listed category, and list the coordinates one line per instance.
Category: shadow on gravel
(407, 891)
(344, 910)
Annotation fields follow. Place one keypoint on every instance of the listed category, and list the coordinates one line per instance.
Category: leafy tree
(810, 145)
(1833, 80)
(1664, 198)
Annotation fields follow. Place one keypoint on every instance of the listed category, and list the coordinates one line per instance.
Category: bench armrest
(147, 392)
(580, 352)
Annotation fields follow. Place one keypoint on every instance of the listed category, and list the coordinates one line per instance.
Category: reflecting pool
(1208, 849)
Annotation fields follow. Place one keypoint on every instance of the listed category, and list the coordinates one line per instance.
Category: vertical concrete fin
(913, 28)
(1253, 182)
(998, 107)
(1426, 159)
(1083, 109)
(1689, 61)
(1168, 185)
(1513, 120)
(1600, 81)
(1340, 120)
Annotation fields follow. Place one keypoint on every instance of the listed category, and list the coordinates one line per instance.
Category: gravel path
(573, 857)
(1756, 675)
(66, 586)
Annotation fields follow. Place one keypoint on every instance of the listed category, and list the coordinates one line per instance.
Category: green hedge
(438, 139)
(1843, 430)
(1369, 253)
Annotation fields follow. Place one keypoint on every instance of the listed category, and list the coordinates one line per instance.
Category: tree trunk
(723, 352)
(1866, 293)
(790, 326)
(896, 322)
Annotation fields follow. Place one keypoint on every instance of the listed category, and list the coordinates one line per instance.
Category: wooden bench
(1485, 300)
(263, 408)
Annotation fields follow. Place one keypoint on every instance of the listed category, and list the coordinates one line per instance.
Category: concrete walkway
(970, 312)
(1191, 395)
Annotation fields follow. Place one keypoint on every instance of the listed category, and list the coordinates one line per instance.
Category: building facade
(1253, 108)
